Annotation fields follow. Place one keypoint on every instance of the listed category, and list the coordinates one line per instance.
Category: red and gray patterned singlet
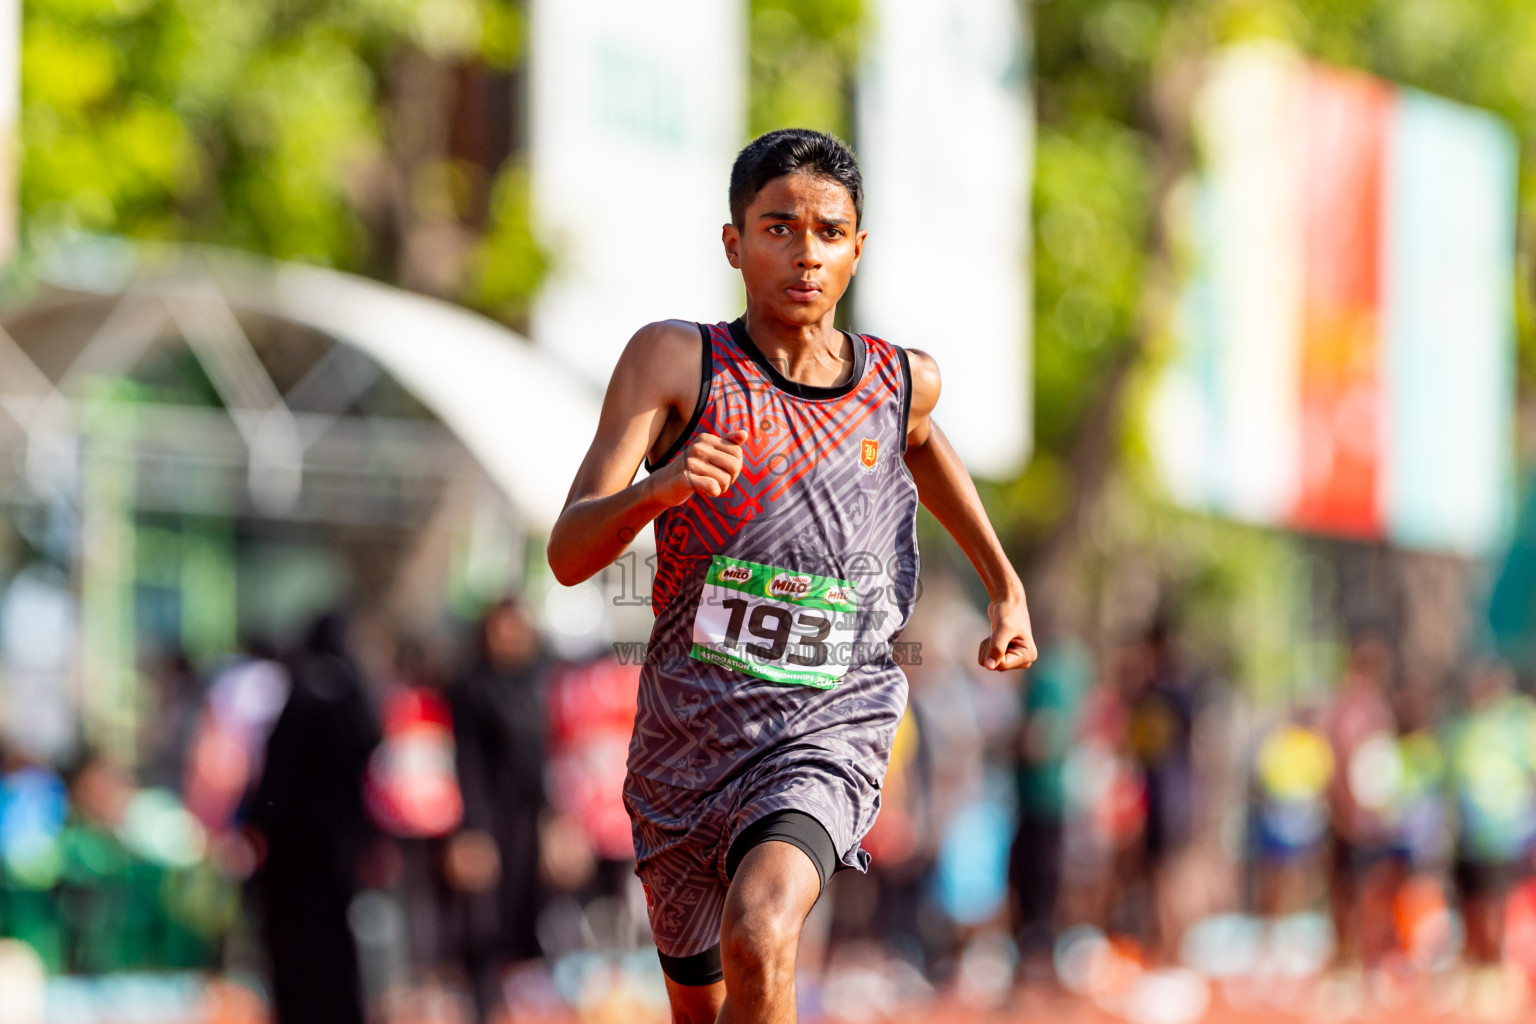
(778, 605)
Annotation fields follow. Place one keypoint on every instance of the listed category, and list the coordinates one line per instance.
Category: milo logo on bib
(774, 623)
(785, 585)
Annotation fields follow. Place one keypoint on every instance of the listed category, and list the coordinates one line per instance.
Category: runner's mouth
(803, 292)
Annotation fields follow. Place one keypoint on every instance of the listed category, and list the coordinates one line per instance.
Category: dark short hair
(787, 151)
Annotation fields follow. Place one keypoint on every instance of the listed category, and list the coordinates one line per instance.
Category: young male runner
(786, 462)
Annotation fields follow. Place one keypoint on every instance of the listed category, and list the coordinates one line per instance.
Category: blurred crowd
(361, 827)
(1368, 844)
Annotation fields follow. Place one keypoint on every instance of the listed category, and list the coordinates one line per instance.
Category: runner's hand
(708, 466)
(1012, 643)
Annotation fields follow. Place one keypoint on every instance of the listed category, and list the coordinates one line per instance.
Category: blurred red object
(1520, 928)
(1347, 120)
(412, 787)
(1424, 925)
(591, 713)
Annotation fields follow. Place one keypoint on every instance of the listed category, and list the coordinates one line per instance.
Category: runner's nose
(809, 257)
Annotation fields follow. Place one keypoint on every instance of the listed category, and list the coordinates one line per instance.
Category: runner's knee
(763, 914)
(761, 939)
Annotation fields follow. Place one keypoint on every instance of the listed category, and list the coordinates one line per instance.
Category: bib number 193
(771, 623)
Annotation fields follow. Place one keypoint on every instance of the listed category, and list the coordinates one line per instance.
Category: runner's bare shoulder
(926, 384)
(661, 364)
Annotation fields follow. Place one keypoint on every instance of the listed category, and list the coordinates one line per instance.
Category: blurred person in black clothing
(499, 726)
(309, 815)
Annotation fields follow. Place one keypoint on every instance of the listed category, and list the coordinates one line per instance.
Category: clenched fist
(708, 466)
(1011, 643)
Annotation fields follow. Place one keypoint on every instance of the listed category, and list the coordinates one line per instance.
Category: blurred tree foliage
(1113, 82)
(317, 131)
(802, 58)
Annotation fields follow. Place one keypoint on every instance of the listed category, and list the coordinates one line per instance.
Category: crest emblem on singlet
(869, 451)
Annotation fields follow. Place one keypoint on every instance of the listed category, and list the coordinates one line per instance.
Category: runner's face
(797, 248)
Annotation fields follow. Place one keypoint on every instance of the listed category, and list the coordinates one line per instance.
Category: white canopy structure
(523, 416)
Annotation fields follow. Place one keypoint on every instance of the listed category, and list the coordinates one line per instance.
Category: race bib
(777, 624)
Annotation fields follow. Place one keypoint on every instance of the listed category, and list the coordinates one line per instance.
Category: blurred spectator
(1366, 868)
(176, 697)
(1158, 735)
(101, 876)
(96, 897)
(591, 714)
(587, 850)
(498, 724)
(886, 905)
(1422, 822)
(412, 793)
(966, 723)
(308, 809)
(1493, 779)
(1107, 802)
(228, 745)
(1052, 701)
(34, 806)
(1421, 818)
(1292, 770)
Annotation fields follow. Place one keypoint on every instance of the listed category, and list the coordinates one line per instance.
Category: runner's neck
(799, 353)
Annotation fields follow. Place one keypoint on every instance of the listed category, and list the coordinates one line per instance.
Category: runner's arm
(657, 373)
(946, 490)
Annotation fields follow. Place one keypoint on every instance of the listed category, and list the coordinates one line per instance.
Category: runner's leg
(773, 890)
(676, 835)
(695, 1004)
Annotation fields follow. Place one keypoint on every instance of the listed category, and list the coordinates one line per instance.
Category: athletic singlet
(778, 605)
